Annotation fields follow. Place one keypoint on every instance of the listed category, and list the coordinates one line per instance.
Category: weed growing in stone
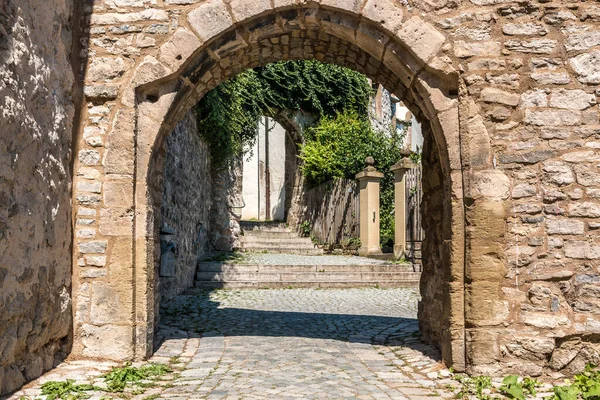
(473, 386)
(585, 386)
(118, 378)
(66, 390)
(513, 388)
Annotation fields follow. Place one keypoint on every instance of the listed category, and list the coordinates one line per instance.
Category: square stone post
(369, 208)
(399, 169)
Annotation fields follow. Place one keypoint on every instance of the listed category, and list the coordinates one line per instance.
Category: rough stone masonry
(507, 91)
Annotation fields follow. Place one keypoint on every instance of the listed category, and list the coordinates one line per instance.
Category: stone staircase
(273, 256)
(212, 275)
(274, 237)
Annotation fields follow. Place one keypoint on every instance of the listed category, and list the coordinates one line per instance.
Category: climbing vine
(228, 115)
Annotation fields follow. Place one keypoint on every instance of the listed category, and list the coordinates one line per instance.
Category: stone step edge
(325, 275)
(313, 284)
(267, 268)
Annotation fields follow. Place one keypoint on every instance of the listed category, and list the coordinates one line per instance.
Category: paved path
(291, 344)
(302, 343)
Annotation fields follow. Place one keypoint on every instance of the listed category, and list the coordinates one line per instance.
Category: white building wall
(254, 188)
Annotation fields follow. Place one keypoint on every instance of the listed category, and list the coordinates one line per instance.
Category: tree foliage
(338, 147)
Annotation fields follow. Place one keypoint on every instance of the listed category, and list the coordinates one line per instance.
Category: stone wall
(509, 89)
(187, 200)
(36, 116)
(226, 211)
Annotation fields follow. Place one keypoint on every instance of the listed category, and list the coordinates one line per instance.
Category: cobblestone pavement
(287, 344)
(304, 343)
(297, 259)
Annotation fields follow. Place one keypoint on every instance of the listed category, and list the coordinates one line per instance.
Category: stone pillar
(369, 208)
(399, 169)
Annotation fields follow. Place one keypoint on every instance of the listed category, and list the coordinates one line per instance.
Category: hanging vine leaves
(229, 114)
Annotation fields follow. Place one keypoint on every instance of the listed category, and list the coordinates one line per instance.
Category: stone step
(277, 244)
(307, 277)
(217, 267)
(272, 226)
(309, 251)
(271, 234)
(275, 241)
(315, 284)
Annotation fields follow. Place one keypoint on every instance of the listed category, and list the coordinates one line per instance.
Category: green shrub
(337, 148)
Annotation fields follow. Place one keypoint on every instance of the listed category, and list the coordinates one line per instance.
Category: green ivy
(228, 115)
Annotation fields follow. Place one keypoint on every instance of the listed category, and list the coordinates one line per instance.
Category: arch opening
(427, 93)
(214, 43)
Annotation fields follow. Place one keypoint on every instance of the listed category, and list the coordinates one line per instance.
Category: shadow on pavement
(195, 314)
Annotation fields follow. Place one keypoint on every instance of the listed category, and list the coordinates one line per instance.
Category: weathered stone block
(105, 69)
(564, 227)
(210, 19)
(586, 67)
(527, 29)
(89, 157)
(582, 41)
(572, 99)
(118, 194)
(98, 247)
(109, 305)
(536, 46)
(101, 92)
(386, 12)
(492, 184)
(150, 14)
(587, 175)
(523, 190)
(545, 320)
(486, 49)
(174, 53)
(492, 95)
(552, 117)
(551, 78)
(586, 210)
(94, 340)
(420, 37)
(582, 250)
(116, 221)
(92, 187)
(534, 98)
(558, 173)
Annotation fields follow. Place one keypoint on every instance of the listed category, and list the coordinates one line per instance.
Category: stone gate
(506, 92)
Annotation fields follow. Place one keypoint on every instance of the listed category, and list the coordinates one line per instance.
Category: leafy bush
(338, 147)
(305, 229)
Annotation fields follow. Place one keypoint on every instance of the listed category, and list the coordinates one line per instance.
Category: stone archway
(216, 40)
